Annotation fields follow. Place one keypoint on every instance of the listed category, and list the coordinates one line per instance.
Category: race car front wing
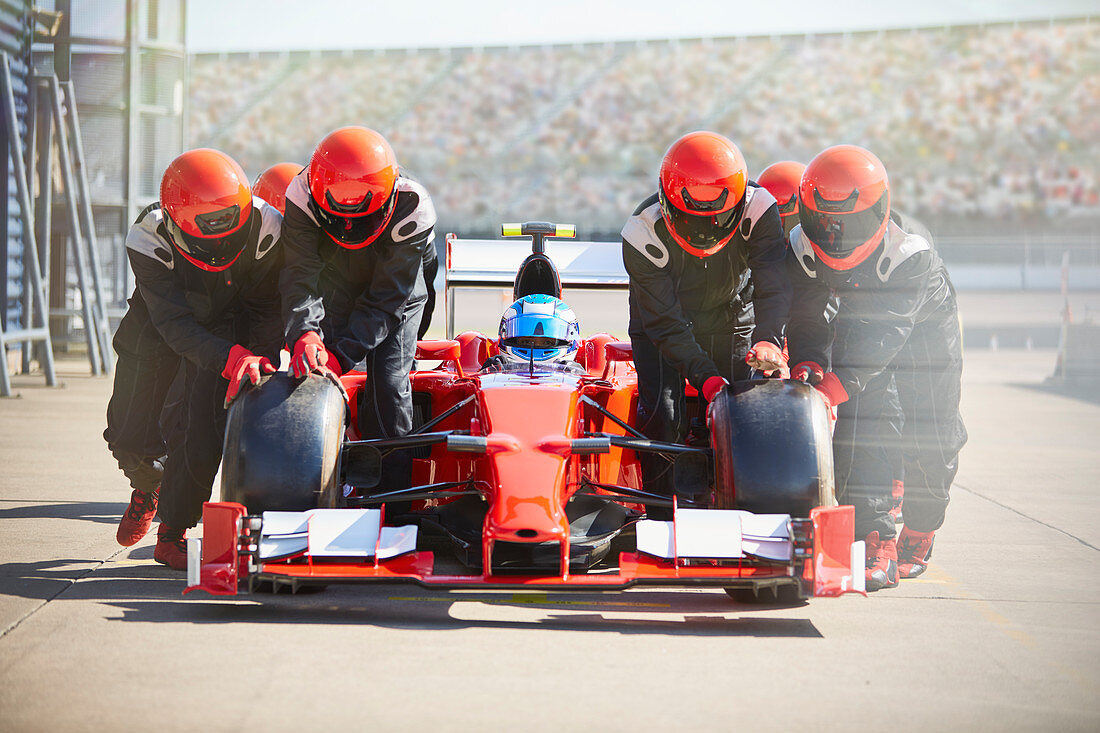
(709, 547)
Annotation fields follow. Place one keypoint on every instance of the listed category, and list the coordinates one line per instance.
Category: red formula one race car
(527, 476)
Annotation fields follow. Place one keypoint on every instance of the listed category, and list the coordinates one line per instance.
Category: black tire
(282, 445)
(773, 452)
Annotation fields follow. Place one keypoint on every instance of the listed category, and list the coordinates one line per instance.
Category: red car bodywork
(526, 475)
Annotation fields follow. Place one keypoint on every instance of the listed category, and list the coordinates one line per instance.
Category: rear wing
(493, 263)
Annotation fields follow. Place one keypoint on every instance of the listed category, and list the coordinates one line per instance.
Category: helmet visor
(354, 229)
(514, 353)
(219, 222)
(840, 233)
(701, 230)
(538, 336)
(210, 253)
(536, 348)
(535, 330)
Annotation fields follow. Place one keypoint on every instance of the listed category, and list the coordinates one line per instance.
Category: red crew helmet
(353, 185)
(781, 180)
(844, 205)
(205, 197)
(703, 177)
(271, 184)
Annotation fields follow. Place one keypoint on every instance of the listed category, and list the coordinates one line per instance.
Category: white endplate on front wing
(333, 533)
(718, 534)
(194, 560)
(859, 566)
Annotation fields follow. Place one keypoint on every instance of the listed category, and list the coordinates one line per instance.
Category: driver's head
(539, 328)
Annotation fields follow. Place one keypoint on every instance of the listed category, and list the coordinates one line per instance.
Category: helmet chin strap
(531, 362)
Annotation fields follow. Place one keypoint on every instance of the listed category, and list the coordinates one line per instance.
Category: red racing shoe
(882, 562)
(897, 494)
(914, 551)
(138, 518)
(171, 549)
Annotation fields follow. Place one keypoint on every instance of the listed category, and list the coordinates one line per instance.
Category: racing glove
(309, 355)
(243, 363)
(766, 356)
(712, 387)
(808, 371)
(831, 390)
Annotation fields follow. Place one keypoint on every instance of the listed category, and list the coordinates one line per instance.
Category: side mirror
(619, 351)
(443, 350)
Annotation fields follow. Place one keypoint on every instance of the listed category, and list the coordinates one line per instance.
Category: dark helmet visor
(838, 233)
(216, 252)
(219, 222)
(788, 208)
(353, 229)
(701, 230)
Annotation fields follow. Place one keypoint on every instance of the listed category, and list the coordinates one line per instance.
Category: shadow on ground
(102, 512)
(81, 578)
(378, 608)
(150, 593)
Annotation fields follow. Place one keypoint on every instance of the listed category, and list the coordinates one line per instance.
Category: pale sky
(265, 25)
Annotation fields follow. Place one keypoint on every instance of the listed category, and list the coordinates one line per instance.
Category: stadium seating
(996, 123)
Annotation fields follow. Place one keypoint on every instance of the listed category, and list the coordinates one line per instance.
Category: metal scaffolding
(105, 112)
(37, 328)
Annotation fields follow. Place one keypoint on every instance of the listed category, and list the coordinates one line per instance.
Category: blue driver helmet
(539, 328)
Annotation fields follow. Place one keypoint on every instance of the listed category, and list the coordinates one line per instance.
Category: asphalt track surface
(1002, 633)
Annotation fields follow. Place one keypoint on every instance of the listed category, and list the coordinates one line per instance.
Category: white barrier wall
(1016, 277)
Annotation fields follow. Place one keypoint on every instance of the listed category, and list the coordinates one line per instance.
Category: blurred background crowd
(983, 129)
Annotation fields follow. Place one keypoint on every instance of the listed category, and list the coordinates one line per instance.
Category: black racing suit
(431, 269)
(892, 416)
(688, 319)
(897, 323)
(366, 303)
(172, 347)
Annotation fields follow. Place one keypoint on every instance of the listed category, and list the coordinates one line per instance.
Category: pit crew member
(271, 184)
(688, 250)
(782, 180)
(356, 232)
(897, 322)
(203, 318)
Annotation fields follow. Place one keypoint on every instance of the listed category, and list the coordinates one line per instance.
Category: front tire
(773, 452)
(282, 445)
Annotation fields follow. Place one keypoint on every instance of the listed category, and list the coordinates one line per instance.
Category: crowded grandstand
(983, 128)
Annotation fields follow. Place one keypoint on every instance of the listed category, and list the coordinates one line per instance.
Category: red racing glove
(309, 355)
(831, 390)
(766, 356)
(243, 363)
(712, 387)
(333, 365)
(808, 371)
